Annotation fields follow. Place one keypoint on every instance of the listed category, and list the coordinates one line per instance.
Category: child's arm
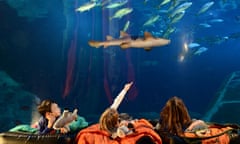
(197, 125)
(121, 95)
(42, 126)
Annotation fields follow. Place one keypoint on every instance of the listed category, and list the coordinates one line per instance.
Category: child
(175, 120)
(50, 111)
(109, 120)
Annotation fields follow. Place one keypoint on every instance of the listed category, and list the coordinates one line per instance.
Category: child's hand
(120, 133)
(51, 119)
(128, 86)
(63, 130)
(123, 122)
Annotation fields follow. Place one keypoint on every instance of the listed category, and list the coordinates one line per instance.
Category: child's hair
(109, 120)
(174, 116)
(45, 106)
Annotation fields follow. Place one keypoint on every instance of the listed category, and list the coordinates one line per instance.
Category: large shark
(146, 42)
(126, 41)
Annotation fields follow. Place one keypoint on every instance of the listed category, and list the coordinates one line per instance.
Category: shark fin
(65, 113)
(123, 34)
(147, 49)
(125, 45)
(75, 111)
(147, 35)
(109, 38)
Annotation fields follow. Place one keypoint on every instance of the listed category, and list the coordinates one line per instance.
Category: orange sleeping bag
(93, 135)
(214, 135)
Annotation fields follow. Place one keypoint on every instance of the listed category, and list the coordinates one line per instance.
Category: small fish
(116, 4)
(200, 50)
(205, 7)
(122, 12)
(152, 20)
(181, 8)
(170, 30)
(163, 11)
(216, 20)
(86, 6)
(205, 25)
(163, 3)
(174, 4)
(193, 45)
(126, 26)
(157, 34)
(177, 17)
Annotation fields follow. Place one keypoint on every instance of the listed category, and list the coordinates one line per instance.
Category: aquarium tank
(81, 53)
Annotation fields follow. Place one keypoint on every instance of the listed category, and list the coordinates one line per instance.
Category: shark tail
(94, 44)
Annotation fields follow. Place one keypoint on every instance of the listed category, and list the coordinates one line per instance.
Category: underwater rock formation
(225, 108)
(29, 8)
(17, 106)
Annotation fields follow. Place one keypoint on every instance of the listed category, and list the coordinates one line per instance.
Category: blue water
(36, 51)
